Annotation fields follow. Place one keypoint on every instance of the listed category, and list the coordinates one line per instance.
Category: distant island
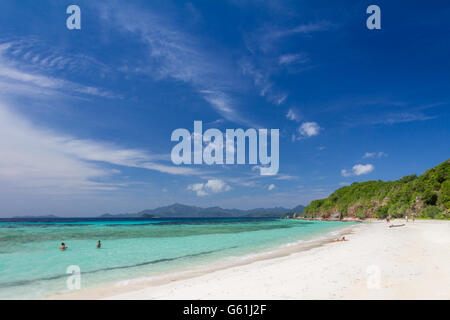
(427, 196)
(51, 216)
(184, 211)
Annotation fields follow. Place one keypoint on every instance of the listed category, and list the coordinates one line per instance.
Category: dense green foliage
(427, 196)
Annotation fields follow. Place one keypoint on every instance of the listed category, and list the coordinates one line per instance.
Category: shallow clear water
(31, 266)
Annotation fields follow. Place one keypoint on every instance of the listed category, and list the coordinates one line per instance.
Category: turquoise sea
(32, 267)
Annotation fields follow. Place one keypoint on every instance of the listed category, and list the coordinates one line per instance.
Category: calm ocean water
(31, 266)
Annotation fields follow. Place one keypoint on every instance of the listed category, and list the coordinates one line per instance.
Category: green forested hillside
(427, 196)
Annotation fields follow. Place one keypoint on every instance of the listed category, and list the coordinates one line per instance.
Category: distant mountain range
(184, 211)
(51, 216)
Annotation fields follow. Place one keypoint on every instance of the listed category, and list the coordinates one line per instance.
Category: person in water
(63, 247)
(99, 244)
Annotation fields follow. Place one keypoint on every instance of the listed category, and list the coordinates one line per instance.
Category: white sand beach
(377, 262)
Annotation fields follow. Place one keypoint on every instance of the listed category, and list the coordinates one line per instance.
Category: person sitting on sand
(99, 244)
(341, 239)
(63, 247)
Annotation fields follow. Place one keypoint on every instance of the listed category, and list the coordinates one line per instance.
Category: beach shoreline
(133, 284)
(377, 262)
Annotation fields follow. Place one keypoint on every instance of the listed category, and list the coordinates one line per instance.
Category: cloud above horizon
(308, 129)
(177, 55)
(293, 115)
(269, 36)
(357, 170)
(210, 187)
(21, 71)
(374, 155)
(47, 160)
(287, 59)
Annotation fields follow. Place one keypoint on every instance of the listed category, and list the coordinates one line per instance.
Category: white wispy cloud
(357, 170)
(285, 177)
(26, 72)
(374, 155)
(223, 104)
(265, 61)
(293, 115)
(211, 186)
(30, 51)
(301, 29)
(390, 118)
(268, 37)
(177, 55)
(41, 158)
(261, 81)
(287, 59)
(401, 117)
(46, 82)
(308, 129)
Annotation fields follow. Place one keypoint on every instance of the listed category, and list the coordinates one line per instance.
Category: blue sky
(86, 115)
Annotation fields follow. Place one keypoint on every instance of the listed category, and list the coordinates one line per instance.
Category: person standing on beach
(406, 217)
